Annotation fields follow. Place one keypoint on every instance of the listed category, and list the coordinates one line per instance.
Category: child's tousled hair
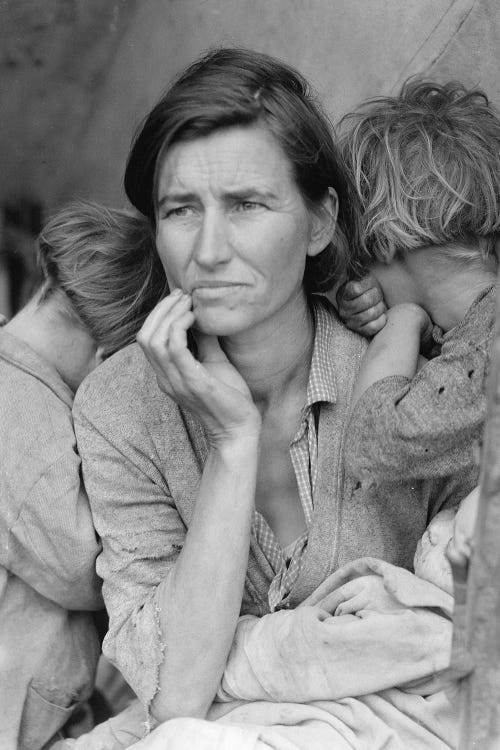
(427, 169)
(105, 263)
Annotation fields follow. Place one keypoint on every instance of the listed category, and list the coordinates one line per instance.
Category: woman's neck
(274, 358)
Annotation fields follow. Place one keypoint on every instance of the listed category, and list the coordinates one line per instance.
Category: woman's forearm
(200, 601)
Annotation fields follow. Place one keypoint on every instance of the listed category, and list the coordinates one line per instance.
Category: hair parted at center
(236, 87)
(426, 164)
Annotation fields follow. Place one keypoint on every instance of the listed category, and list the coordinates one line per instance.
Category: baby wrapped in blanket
(360, 665)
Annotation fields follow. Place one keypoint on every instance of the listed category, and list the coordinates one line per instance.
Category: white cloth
(360, 665)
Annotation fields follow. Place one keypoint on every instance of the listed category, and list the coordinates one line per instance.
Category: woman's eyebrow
(244, 193)
(176, 197)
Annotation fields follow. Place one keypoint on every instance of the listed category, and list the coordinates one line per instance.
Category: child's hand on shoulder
(361, 305)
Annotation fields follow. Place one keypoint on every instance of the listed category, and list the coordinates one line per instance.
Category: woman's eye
(178, 211)
(249, 206)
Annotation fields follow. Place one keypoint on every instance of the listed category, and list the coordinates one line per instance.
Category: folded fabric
(369, 627)
(360, 665)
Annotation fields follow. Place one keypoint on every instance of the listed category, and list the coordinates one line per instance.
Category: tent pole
(477, 629)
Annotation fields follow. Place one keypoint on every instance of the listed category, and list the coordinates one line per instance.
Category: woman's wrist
(241, 439)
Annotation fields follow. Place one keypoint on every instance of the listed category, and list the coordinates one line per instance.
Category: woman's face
(233, 229)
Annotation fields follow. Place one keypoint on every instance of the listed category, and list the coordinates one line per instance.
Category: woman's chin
(214, 323)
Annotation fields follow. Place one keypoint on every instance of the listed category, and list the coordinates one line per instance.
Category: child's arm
(395, 349)
(421, 425)
(52, 544)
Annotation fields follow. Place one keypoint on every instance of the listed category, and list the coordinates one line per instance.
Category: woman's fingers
(163, 326)
(158, 313)
(163, 339)
(210, 388)
(209, 349)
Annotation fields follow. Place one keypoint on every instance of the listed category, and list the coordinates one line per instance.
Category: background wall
(78, 75)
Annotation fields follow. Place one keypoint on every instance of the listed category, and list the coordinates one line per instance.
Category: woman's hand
(211, 388)
(361, 305)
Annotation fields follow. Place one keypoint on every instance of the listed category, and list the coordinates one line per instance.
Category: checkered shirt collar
(321, 386)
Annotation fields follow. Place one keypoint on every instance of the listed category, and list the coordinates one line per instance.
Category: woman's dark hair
(233, 87)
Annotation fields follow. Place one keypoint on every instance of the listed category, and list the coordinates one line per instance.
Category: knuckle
(374, 295)
(355, 288)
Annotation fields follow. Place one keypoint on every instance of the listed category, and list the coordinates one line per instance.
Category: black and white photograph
(249, 375)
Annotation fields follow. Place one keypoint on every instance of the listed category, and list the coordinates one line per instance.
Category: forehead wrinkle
(191, 166)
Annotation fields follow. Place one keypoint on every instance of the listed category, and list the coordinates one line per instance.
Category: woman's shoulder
(124, 383)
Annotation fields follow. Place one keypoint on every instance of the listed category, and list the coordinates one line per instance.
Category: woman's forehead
(236, 158)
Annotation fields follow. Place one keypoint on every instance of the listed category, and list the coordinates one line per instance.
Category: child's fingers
(371, 328)
(352, 289)
(368, 299)
(368, 315)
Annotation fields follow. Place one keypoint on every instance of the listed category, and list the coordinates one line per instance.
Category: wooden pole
(480, 690)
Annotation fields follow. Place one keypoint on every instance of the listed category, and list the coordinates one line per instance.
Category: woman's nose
(211, 245)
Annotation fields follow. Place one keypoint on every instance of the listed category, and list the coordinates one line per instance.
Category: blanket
(360, 665)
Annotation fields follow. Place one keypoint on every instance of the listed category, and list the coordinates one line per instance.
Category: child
(427, 169)
(101, 277)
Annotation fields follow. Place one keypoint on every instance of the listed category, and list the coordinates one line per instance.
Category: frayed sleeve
(141, 533)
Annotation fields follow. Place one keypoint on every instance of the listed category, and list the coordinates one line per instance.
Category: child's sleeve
(424, 427)
(52, 545)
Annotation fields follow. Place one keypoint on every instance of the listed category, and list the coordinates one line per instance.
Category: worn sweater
(48, 643)
(142, 459)
(430, 425)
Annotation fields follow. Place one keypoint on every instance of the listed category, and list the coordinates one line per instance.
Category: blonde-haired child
(427, 170)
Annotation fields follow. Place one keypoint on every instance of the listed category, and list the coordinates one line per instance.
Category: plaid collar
(321, 386)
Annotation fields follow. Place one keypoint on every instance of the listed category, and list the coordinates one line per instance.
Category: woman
(212, 457)
(99, 276)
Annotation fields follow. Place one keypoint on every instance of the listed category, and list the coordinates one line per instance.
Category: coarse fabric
(361, 664)
(429, 425)
(304, 458)
(142, 458)
(48, 547)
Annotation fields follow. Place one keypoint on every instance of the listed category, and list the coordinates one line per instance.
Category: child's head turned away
(427, 169)
(452, 530)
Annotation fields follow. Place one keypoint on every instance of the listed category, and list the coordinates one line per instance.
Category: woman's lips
(215, 289)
